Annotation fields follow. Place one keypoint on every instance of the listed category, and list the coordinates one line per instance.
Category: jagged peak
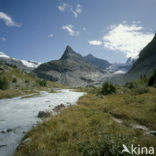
(68, 48)
(69, 53)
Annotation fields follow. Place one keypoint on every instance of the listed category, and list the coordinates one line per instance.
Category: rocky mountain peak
(69, 53)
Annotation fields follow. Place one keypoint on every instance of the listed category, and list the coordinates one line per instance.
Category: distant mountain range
(27, 66)
(121, 68)
(74, 70)
(108, 67)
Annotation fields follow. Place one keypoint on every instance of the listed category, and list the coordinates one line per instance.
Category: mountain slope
(21, 64)
(145, 63)
(71, 70)
(100, 63)
(120, 68)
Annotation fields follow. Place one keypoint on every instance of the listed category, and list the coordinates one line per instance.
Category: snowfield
(18, 115)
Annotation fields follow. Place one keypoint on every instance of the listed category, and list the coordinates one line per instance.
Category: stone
(43, 114)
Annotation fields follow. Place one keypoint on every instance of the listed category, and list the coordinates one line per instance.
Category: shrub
(141, 90)
(131, 85)
(14, 80)
(4, 84)
(108, 88)
(26, 81)
(152, 79)
(143, 80)
(42, 83)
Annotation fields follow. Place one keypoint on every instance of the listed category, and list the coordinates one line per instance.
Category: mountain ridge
(21, 64)
(100, 63)
(145, 62)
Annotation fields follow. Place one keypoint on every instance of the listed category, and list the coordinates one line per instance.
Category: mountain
(114, 68)
(121, 68)
(30, 64)
(71, 70)
(100, 63)
(21, 64)
(145, 63)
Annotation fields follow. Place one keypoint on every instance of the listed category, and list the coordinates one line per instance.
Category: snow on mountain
(17, 62)
(121, 68)
(4, 55)
(30, 64)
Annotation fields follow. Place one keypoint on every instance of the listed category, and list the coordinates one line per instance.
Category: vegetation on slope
(14, 82)
(89, 128)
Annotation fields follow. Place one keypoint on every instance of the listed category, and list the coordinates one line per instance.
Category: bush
(131, 85)
(108, 88)
(4, 84)
(14, 80)
(42, 83)
(26, 81)
(141, 90)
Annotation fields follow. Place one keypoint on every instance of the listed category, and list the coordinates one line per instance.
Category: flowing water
(18, 115)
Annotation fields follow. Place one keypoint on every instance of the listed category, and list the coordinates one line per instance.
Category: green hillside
(15, 82)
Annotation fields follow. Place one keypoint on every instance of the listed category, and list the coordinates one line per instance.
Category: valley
(113, 107)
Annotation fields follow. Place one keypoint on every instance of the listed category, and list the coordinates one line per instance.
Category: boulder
(59, 108)
(43, 114)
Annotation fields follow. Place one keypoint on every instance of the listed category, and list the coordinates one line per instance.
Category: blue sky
(110, 29)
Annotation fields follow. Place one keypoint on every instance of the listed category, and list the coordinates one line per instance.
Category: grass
(88, 129)
(15, 92)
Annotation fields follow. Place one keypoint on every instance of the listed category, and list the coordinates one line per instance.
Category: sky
(40, 30)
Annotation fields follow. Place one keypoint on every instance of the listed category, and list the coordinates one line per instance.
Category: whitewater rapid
(18, 115)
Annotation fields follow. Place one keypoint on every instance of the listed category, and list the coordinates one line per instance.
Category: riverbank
(20, 114)
(92, 127)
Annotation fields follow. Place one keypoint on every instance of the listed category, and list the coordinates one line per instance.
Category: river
(18, 115)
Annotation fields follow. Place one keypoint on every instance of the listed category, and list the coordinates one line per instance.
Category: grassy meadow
(88, 128)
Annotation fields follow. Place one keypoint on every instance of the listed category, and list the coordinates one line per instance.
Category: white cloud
(77, 11)
(95, 42)
(3, 39)
(84, 29)
(64, 6)
(50, 36)
(70, 30)
(127, 38)
(8, 20)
